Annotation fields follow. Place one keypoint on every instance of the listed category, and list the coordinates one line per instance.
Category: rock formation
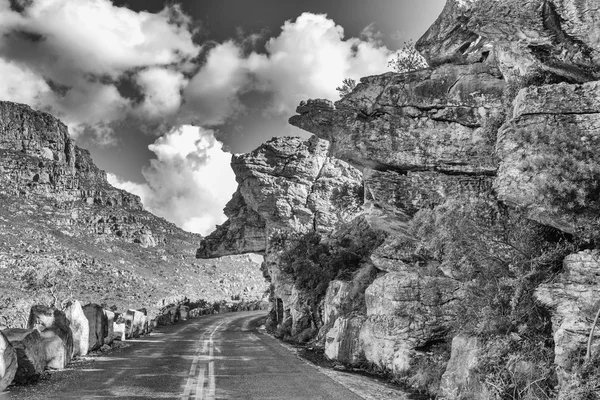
(31, 357)
(79, 325)
(286, 186)
(8, 362)
(504, 122)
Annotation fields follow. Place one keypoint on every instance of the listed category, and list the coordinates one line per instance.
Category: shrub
(347, 86)
(501, 257)
(408, 59)
(314, 262)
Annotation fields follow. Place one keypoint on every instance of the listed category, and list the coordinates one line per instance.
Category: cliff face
(480, 176)
(287, 186)
(64, 230)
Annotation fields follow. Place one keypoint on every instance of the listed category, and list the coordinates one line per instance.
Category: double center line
(199, 386)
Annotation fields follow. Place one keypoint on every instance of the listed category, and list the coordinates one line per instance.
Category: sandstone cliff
(480, 190)
(66, 232)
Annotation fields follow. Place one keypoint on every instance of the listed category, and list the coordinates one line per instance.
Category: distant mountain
(66, 232)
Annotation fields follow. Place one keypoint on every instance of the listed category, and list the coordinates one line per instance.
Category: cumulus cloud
(162, 88)
(309, 59)
(188, 182)
(82, 48)
(212, 95)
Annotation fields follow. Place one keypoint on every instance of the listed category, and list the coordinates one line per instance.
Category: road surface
(211, 357)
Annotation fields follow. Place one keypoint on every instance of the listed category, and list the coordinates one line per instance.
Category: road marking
(200, 385)
(198, 363)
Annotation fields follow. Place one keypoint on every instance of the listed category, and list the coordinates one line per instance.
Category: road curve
(212, 357)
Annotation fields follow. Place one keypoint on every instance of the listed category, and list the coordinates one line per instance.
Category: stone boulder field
(67, 234)
(441, 226)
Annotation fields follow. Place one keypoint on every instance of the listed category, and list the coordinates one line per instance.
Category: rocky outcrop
(460, 380)
(573, 299)
(405, 311)
(419, 121)
(31, 357)
(292, 184)
(559, 36)
(342, 342)
(245, 231)
(8, 362)
(549, 158)
(286, 186)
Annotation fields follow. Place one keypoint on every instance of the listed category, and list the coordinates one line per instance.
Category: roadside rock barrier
(79, 325)
(31, 358)
(53, 323)
(183, 312)
(110, 320)
(8, 362)
(98, 324)
(134, 322)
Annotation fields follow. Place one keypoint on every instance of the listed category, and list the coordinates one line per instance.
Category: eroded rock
(31, 357)
(421, 120)
(549, 158)
(98, 325)
(405, 311)
(79, 326)
(573, 300)
(558, 36)
(460, 380)
(8, 362)
(342, 342)
(52, 325)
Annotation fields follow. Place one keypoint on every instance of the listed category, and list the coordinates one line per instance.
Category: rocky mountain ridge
(470, 272)
(65, 232)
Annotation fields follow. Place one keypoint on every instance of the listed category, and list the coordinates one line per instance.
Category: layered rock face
(573, 299)
(286, 186)
(560, 36)
(506, 115)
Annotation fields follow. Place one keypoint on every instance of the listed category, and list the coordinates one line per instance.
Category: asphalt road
(211, 357)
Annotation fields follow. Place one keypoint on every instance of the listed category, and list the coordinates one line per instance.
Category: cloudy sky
(162, 92)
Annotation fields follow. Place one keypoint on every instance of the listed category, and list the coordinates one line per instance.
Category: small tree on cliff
(347, 86)
(408, 59)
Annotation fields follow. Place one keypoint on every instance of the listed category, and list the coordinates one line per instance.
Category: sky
(162, 93)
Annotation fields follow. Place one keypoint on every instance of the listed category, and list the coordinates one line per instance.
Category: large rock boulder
(573, 301)
(52, 324)
(110, 320)
(134, 322)
(425, 120)
(553, 35)
(550, 165)
(31, 356)
(405, 311)
(292, 184)
(8, 362)
(460, 380)
(79, 325)
(342, 342)
(98, 325)
(337, 301)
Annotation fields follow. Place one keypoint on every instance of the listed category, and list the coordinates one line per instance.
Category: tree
(408, 59)
(56, 278)
(347, 86)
